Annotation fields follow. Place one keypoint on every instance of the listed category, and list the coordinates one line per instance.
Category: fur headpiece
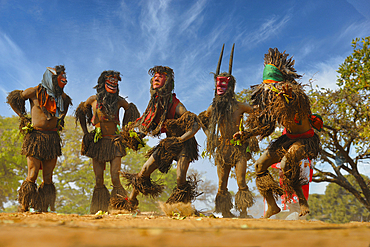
(231, 85)
(107, 101)
(160, 100)
(278, 65)
(169, 83)
(103, 76)
(223, 106)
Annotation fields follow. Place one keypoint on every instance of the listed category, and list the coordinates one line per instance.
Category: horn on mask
(231, 60)
(219, 60)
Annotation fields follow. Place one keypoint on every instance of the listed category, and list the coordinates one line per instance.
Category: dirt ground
(146, 229)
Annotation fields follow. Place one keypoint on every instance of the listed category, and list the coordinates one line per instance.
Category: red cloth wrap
(170, 114)
(308, 134)
(49, 102)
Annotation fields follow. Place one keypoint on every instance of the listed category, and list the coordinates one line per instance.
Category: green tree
(338, 205)
(76, 180)
(13, 166)
(73, 175)
(345, 137)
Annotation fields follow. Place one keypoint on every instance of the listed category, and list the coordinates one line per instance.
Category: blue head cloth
(47, 82)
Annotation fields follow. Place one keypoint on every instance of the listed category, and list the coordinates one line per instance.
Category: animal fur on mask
(222, 109)
(107, 100)
(159, 101)
(58, 90)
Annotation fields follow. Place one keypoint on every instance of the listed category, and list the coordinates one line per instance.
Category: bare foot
(271, 211)
(304, 210)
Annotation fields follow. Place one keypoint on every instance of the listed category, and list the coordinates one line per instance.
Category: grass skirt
(43, 145)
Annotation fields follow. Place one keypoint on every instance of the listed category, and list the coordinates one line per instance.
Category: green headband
(272, 74)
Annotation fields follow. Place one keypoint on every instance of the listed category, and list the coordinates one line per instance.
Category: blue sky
(89, 37)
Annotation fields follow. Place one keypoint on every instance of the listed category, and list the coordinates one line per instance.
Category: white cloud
(192, 15)
(14, 62)
(126, 13)
(156, 24)
(17, 71)
(356, 30)
(362, 6)
(268, 29)
(324, 73)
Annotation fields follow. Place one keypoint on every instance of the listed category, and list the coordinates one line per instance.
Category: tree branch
(322, 151)
(322, 174)
(345, 168)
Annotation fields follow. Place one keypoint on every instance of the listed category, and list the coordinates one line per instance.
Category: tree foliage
(338, 205)
(76, 179)
(345, 137)
(13, 167)
(73, 175)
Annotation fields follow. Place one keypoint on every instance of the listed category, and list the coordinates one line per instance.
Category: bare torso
(228, 129)
(302, 127)
(39, 119)
(107, 127)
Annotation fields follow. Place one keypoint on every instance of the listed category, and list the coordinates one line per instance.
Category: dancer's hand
(286, 90)
(237, 135)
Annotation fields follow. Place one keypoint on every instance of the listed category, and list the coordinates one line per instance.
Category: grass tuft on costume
(105, 149)
(244, 199)
(119, 202)
(28, 196)
(119, 190)
(43, 145)
(131, 114)
(16, 100)
(223, 202)
(185, 193)
(265, 183)
(47, 194)
(83, 113)
(100, 200)
(169, 148)
(144, 185)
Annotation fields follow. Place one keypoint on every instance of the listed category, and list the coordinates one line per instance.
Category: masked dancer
(282, 100)
(165, 114)
(220, 121)
(105, 143)
(42, 143)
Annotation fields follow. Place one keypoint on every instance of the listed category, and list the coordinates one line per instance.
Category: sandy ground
(146, 229)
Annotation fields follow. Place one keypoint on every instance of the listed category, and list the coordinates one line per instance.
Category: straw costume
(107, 142)
(220, 121)
(42, 143)
(165, 114)
(281, 100)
